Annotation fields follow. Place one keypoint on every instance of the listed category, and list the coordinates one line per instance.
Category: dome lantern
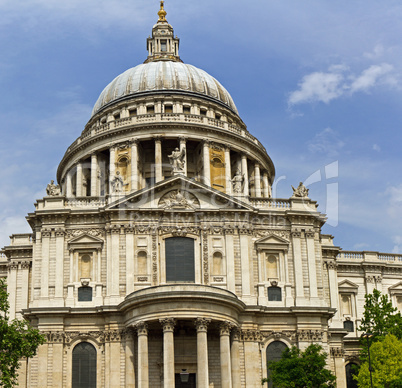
(163, 46)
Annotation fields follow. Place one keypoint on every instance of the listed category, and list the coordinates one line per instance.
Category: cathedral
(159, 257)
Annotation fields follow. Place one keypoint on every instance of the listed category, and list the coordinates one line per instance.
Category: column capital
(206, 142)
(225, 327)
(134, 141)
(168, 324)
(158, 139)
(236, 333)
(201, 324)
(142, 328)
(183, 138)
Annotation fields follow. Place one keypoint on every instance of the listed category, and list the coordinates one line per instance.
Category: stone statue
(237, 182)
(53, 190)
(301, 191)
(177, 160)
(177, 200)
(117, 183)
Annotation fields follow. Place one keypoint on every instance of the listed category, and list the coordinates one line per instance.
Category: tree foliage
(386, 363)
(17, 340)
(380, 318)
(302, 369)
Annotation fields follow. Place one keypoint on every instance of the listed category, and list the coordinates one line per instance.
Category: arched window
(274, 353)
(84, 366)
(217, 264)
(350, 372)
(142, 264)
(179, 255)
(274, 294)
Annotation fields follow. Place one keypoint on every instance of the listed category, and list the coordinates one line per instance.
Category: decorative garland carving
(46, 232)
(266, 233)
(205, 257)
(178, 199)
(154, 256)
(251, 335)
(310, 335)
(337, 352)
(331, 264)
(90, 232)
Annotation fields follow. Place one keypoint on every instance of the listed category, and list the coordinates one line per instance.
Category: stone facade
(167, 165)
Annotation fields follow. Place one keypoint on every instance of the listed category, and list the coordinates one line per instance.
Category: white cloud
(326, 142)
(336, 82)
(317, 87)
(377, 52)
(376, 147)
(370, 77)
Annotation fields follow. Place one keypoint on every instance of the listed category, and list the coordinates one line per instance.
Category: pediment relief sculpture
(178, 199)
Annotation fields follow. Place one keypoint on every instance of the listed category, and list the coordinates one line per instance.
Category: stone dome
(163, 76)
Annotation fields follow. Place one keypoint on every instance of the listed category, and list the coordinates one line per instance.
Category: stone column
(245, 263)
(257, 180)
(340, 372)
(206, 162)
(143, 373)
(333, 288)
(266, 185)
(235, 359)
(59, 289)
(134, 165)
(230, 266)
(311, 264)
(69, 185)
(202, 352)
(183, 145)
(228, 171)
(78, 184)
(129, 260)
(112, 167)
(45, 263)
(94, 176)
(12, 288)
(168, 352)
(114, 261)
(25, 266)
(158, 159)
(130, 370)
(244, 171)
(226, 370)
(296, 235)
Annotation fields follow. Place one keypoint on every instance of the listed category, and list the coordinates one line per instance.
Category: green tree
(386, 363)
(17, 340)
(302, 369)
(380, 318)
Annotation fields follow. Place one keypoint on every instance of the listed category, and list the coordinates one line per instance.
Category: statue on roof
(301, 191)
(53, 190)
(177, 160)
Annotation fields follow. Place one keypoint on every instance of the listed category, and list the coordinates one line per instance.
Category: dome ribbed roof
(161, 76)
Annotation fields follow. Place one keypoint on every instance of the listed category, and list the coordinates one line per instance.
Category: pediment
(179, 193)
(396, 288)
(272, 239)
(347, 286)
(85, 241)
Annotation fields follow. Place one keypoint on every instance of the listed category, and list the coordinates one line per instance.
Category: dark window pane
(274, 294)
(84, 366)
(274, 353)
(350, 372)
(179, 259)
(85, 294)
(349, 326)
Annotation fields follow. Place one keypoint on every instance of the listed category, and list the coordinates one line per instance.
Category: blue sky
(318, 82)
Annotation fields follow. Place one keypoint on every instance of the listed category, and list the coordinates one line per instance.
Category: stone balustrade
(369, 256)
(271, 203)
(165, 117)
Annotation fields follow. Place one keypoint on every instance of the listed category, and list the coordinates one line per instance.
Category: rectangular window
(203, 112)
(150, 110)
(186, 109)
(180, 259)
(163, 45)
(168, 108)
(133, 112)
